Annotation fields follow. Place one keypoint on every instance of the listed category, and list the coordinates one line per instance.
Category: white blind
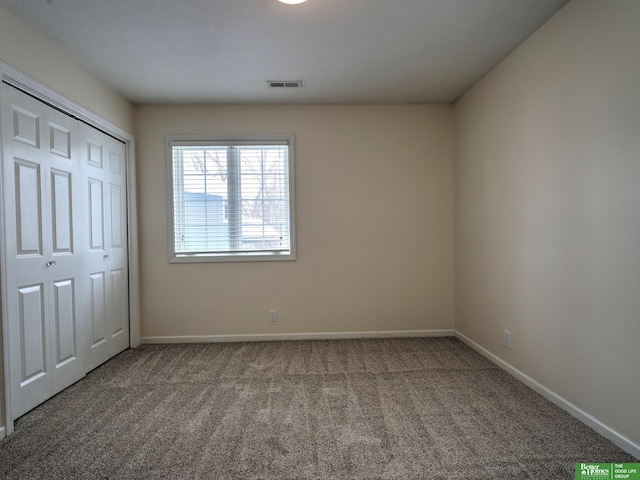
(231, 198)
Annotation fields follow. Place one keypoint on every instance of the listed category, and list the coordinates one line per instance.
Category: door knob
(105, 257)
(51, 264)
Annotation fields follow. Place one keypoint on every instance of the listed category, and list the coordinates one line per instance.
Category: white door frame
(14, 77)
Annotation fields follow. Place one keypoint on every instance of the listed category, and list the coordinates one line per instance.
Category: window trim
(204, 140)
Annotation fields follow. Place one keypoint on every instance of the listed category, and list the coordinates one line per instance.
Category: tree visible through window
(231, 198)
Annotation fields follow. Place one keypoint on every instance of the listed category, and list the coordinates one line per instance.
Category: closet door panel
(26, 250)
(65, 350)
(93, 151)
(68, 305)
(42, 202)
(105, 163)
(59, 140)
(96, 215)
(25, 125)
(28, 207)
(33, 333)
(98, 309)
(61, 212)
(118, 318)
(117, 247)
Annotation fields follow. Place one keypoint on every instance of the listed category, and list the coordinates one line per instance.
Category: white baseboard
(295, 336)
(3, 433)
(620, 440)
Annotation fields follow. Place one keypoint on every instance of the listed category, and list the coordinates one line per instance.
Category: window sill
(227, 258)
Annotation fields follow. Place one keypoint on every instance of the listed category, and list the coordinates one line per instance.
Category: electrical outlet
(507, 339)
(273, 316)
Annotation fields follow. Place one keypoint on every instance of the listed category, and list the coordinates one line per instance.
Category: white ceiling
(345, 51)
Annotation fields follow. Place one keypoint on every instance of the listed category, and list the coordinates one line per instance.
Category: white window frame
(205, 140)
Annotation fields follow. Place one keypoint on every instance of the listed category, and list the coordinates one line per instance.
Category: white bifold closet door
(65, 248)
(106, 228)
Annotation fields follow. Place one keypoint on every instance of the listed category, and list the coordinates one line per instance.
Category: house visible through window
(231, 198)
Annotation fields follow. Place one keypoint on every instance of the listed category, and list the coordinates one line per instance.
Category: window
(231, 198)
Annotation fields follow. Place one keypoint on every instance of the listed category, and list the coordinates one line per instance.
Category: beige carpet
(348, 409)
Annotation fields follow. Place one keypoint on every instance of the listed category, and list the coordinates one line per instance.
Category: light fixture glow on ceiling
(292, 2)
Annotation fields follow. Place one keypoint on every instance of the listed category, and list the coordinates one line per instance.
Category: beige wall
(374, 201)
(547, 192)
(25, 49)
(28, 51)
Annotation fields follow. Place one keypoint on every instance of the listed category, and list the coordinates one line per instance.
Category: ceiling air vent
(284, 83)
